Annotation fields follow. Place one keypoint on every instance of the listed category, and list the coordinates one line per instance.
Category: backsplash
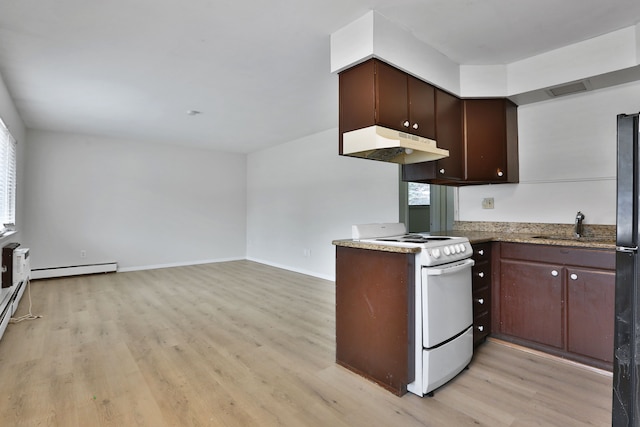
(563, 230)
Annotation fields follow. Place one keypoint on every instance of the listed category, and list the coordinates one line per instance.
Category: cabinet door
(449, 134)
(421, 108)
(392, 97)
(531, 304)
(485, 138)
(590, 312)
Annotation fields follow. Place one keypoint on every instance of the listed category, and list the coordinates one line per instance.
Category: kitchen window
(7, 178)
(418, 207)
(426, 207)
(419, 194)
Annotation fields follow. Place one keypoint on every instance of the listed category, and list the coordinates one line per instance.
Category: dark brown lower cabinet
(556, 299)
(374, 315)
(531, 301)
(590, 313)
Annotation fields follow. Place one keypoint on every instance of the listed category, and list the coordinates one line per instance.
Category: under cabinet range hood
(388, 145)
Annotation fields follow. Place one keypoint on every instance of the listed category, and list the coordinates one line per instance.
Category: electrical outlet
(487, 203)
(306, 252)
(83, 253)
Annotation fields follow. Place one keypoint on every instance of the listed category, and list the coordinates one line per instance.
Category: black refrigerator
(626, 362)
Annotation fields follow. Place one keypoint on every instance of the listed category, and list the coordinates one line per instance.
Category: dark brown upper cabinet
(482, 138)
(490, 139)
(449, 136)
(480, 134)
(375, 93)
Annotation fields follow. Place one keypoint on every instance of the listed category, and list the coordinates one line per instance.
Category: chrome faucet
(578, 228)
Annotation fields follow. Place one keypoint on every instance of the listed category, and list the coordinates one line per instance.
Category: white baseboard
(295, 270)
(46, 273)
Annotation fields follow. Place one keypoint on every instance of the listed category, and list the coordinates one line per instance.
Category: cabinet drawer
(481, 327)
(481, 252)
(481, 275)
(481, 301)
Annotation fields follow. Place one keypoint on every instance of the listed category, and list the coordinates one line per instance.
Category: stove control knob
(447, 250)
(435, 253)
(463, 248)
(455, 249)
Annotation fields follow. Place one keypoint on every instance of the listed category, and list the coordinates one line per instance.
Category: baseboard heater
(76, 270)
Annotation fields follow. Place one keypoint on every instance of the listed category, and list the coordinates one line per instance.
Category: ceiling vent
(569, 88)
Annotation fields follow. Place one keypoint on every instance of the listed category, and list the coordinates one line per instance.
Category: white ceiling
(258, 70)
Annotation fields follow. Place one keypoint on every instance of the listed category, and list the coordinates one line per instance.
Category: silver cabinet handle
(481, 328)
(441, 170)
(481, 252)
(481, 274)
(480, 300)
(554, 273)
(415, 126)
(406, 124)
(500, 173)
(574, 276)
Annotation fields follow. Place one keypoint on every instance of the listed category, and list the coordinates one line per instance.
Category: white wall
(301, 195)
(567, 149)
(139, 204)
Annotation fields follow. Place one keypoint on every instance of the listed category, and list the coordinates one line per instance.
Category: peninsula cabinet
(375, 296)
(556, 299)
(375, 93)
(483, 147)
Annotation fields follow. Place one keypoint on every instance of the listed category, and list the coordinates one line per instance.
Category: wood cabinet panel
(482, 138)
(565, 255)
(449, 135)
(485, 137)
(376, 93)
(590, 312)
(422, 108)
(531, 302)
(481, 285)
(357, 98)
(392, 97)
(481, 328)
(375, 316)
(570, 314)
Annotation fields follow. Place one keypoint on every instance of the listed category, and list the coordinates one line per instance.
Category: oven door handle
(454, 268)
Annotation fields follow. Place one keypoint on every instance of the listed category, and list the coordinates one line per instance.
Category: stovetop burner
(413, 238)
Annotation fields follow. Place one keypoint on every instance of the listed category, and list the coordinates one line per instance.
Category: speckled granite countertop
(595, 236)
(374, 246)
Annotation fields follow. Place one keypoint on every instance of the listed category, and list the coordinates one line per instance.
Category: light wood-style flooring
(244, 344)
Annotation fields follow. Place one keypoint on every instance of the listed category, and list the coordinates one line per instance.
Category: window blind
(7, 177)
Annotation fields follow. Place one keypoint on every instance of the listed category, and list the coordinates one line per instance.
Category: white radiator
(45, 273)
